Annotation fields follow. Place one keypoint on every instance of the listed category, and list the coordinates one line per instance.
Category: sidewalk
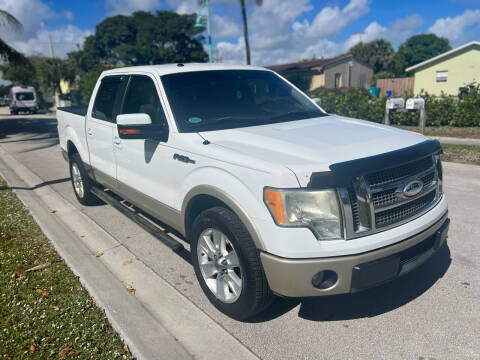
(156, 321)
(456, 141)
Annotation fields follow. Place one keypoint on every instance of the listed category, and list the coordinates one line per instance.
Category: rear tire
(230, 272)
(81, 183)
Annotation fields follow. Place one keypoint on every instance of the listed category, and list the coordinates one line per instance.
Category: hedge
(441, 110)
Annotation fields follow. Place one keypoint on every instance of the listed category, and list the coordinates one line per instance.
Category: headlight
(317, 210)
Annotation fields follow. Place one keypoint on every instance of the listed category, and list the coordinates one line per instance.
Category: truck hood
(312, 145)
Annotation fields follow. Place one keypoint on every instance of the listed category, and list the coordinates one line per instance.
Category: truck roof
(22, 88)
(181, 67)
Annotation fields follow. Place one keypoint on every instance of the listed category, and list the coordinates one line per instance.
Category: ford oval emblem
(413, 188)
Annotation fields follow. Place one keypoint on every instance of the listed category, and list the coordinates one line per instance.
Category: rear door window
(24, 96)
(107, 96)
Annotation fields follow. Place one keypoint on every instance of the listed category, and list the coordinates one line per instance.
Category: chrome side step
(139, 219)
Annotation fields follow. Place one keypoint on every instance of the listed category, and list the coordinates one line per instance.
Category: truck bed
(71, 125)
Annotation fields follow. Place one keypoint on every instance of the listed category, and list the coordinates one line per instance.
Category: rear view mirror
(317, 101)
(139, 126)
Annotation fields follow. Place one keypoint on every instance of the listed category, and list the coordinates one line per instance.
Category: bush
(441, 111)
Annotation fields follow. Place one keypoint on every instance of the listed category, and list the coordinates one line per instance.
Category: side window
(106, 96)
(142, 97)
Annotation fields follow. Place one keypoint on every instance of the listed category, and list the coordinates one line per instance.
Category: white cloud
(277, 36)
(68, 15)
(64, 40)
(330, 20)
(128, 6)
(396, 33)
(224, 27)
(453, 28)
(30, 13)
(35, 37)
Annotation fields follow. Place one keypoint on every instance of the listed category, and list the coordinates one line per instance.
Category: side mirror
(139, 126)
(317, 101)
(134, 119)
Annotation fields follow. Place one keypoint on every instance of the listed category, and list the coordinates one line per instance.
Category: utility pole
(51, 46)
(205, 4)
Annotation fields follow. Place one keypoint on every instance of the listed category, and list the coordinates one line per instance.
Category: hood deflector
(342, 174)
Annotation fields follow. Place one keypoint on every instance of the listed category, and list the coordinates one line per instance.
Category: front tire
(227, 264)
(81, 183)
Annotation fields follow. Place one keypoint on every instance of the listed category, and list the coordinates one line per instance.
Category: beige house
(449, 71)
(343, 71)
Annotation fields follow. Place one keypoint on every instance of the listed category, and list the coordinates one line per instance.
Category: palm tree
(245, 27)
(8, 20)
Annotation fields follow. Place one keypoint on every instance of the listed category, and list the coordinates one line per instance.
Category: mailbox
(415, 104)
(395, 103)
(317, 101)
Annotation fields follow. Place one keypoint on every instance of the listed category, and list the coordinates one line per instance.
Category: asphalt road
(432, 313)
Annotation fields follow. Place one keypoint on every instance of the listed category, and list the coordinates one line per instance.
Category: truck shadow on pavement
(42, 130)
(45, 183)
(368, 303)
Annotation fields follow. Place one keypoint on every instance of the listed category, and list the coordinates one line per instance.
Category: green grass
(46, 313)
(467, 154)
(448, 131)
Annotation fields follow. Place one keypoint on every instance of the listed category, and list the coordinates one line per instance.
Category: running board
(138, 219)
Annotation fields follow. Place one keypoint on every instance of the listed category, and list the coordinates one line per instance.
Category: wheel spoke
(234, 282)
(207, 246)
(217, 239)
(232, 260)
(220, 284)
(209, 269)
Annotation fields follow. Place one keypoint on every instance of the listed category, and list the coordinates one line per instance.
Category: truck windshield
(226, 99)
(24, 96)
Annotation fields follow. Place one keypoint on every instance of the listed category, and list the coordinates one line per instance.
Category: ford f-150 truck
(274, 195)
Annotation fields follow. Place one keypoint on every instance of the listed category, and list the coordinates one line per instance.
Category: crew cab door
(101, 129)
(144, 166)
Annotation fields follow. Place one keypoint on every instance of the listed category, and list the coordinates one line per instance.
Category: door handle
(117, 140)
(90, 132)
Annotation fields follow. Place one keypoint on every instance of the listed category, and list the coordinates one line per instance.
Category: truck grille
(397, 173)
(403, 211)
(377, 200)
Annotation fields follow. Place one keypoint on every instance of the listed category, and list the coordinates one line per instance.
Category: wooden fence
(399, 86)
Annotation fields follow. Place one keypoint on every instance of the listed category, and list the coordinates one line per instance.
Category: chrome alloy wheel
(77, 180)
(219, 265)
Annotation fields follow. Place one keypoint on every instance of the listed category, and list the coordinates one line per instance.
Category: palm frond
(9, 54)
(8, 20)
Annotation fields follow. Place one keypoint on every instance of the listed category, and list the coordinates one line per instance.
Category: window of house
(362, 80)
(338, 80)
(442, 76)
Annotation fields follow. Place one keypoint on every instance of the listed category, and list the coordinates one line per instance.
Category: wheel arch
(204, 197)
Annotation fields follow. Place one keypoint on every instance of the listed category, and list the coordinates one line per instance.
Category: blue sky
(280, 30)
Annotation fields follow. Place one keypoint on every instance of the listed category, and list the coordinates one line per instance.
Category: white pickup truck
(274, 195)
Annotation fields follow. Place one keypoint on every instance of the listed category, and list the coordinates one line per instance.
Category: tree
(245, 27)
(7, 20)
(50, 71)
(140, 39)
(416, 49)
(378, 53)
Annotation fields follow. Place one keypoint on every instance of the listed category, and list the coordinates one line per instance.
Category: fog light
(324, 279)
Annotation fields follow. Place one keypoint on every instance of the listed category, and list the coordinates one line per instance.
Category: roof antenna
(180, 65)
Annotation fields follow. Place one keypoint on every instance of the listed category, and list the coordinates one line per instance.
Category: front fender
(247, 203)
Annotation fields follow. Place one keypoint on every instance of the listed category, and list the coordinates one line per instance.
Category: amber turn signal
(273, 199)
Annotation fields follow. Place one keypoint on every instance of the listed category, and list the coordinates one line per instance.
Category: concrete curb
(156, 321)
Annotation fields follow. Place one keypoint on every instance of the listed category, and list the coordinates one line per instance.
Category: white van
(23, 98)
